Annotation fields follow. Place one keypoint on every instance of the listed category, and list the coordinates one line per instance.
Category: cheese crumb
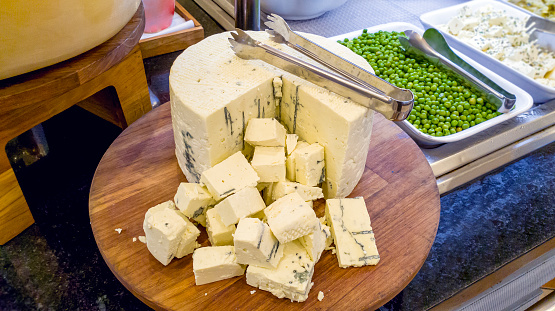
(253, 291)
(118, 230)
(142, 238)
(320, 296)
(134, 239)
(205, 294)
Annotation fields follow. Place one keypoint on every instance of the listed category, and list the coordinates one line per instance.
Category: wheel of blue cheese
(214, 94)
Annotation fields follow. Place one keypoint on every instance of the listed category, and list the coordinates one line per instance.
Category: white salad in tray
(495, 34)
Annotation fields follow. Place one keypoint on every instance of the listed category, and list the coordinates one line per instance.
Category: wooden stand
(140, 170)
(30, 99)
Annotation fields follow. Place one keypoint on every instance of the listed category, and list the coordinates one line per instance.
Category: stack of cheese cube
(276, 233)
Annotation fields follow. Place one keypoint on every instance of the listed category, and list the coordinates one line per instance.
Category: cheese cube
(327, 231)
(290, 161)
(240, 205)
(256, 245)
(267, 193)
(193, 200)
(229, 176)
(290, 217)
(189, 239)
(291, 142)
(283, 188)
(218, 233)
(315, 243)
(309, 165)
(352, 233)
(291, 279)
(269, 163)
(215, 263)
(265, 132)
(164, 229)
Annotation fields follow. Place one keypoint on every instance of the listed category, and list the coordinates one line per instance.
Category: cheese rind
(218, 233)
(239, 205)
(308, 193)
(215, 263)
(309, 165)
(291, 279)
(164, 229)
(214, 94)
(290, 217)
(269, 163)
(256, 245)
(352, 233)
(193, 200)
(265, 132)
(229, 176)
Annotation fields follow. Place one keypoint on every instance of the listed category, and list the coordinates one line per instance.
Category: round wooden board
(140, 170)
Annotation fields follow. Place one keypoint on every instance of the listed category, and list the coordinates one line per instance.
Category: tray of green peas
(446, 107)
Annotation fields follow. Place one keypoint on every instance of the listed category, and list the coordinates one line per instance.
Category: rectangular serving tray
(523, 99)
(540, 93)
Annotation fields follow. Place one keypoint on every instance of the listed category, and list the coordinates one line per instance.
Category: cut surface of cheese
(239, 205)
(315, 243)
(218, 233)
(290, 163)
(308, 193)
(215, 263)
(265, 132)
(290, 217)
(193, 200)
(352, 234)
(310, 166)
(164, 228)
(291, 279)
(188, 241)
(214, 94)
(269, 163)
(229, 176)
(256, 245)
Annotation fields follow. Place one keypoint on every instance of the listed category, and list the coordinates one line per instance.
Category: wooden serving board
(140, 170)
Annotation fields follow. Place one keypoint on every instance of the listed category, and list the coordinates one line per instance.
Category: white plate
(523, 99)
(541, 93)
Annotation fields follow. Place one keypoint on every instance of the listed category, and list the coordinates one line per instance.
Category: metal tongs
(345, 78)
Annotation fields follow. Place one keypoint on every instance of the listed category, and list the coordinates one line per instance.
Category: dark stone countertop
(55, 264)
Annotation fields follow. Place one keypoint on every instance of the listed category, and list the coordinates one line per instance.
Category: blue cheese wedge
(215, 263)
(164, 229)
(316, 242)
(214, 94)
(229, 176)
(193, 200)
(269, 163)
(290, 218)
(309, 165)
(218, 233)
(265, 132)
(291, 279)
(308, 193)
(256, 245)
(240, 205)
(352, 234)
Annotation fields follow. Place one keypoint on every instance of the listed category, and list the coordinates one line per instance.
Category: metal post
(247, 14)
